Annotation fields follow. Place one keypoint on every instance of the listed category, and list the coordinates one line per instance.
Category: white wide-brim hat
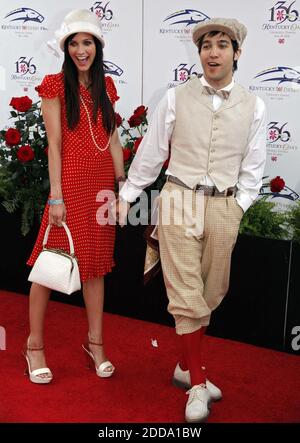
(79, 20)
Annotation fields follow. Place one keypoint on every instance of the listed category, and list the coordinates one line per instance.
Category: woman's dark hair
(235, 46)
(98, 92)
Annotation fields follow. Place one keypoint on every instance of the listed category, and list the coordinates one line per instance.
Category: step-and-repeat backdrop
(149, 48)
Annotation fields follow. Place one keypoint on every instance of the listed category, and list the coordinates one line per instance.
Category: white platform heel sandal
(35, 375)
(101, 370)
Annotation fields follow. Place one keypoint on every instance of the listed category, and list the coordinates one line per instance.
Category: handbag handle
(71, 244)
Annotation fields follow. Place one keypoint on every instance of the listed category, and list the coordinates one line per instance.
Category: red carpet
(259, 385)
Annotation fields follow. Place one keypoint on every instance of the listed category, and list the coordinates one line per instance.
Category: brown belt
(207, 190)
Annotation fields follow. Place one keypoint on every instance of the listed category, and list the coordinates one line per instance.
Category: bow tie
(221, 93)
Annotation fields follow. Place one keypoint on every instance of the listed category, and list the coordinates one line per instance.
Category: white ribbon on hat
(53, 44)
(54, 48)
(62, 31)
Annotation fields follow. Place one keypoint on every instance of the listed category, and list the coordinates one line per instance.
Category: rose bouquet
(24, 180)
(132, 134)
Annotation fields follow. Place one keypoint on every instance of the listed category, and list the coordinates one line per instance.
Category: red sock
(182, 362)
(193, 356)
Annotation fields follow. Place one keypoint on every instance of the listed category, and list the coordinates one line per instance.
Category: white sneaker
(182, 379)
(197, 407)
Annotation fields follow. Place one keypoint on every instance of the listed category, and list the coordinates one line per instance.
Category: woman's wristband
(53, 201)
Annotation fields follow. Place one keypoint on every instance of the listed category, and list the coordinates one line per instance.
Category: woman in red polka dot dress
(85, 156)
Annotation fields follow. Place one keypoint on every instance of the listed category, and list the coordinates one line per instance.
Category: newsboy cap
(230, 26)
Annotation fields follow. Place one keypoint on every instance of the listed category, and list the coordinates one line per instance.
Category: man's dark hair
(235, 45)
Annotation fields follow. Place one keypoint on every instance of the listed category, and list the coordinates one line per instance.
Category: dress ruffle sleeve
(111, 89)
(50, 86)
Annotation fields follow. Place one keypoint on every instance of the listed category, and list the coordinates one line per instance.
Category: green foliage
(293, 217)
(24, 182)
(261, 220)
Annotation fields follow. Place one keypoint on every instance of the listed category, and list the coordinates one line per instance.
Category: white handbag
(56, 269)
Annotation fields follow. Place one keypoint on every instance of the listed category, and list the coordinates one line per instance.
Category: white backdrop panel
(27, 58)
(149, 48)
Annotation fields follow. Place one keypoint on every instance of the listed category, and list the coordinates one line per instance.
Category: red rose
(21, 104)
(118, 119)
(13, 102)
(127, 154)
(277, 184)
(137, 144)
(25, 154)
(140, 111)
(46, 150)
(138, 116)
(12, 137)
(134, 121)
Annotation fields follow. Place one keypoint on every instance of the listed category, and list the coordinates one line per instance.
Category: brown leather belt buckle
(226, 193)
(219, 194)
(230, 191)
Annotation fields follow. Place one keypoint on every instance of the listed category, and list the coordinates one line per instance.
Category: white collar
(226, 88)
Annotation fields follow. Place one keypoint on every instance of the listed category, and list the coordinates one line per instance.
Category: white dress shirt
(154, 151)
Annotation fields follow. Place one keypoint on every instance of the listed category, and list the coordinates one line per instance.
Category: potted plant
(24, 181)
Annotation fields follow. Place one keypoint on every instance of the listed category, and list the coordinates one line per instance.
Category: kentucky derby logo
(103, 12)
(25, 15)
(24, 66)
(278, 133)
(280, 142)
(280, 74)
(112, 68)
(282, 12)
(277, 83)
(182, 73)
(186, 17)
(282, 21)
(24, 21)
(286, 192)
(179, 24)
(25, 71)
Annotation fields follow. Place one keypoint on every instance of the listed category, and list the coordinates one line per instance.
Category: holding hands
(120, 210)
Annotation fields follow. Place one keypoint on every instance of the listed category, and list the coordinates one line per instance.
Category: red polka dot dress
(85, 172)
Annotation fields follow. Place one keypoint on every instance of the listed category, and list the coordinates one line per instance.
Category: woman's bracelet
(53, 201)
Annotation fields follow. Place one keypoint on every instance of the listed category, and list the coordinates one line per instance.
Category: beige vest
(208, 142)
